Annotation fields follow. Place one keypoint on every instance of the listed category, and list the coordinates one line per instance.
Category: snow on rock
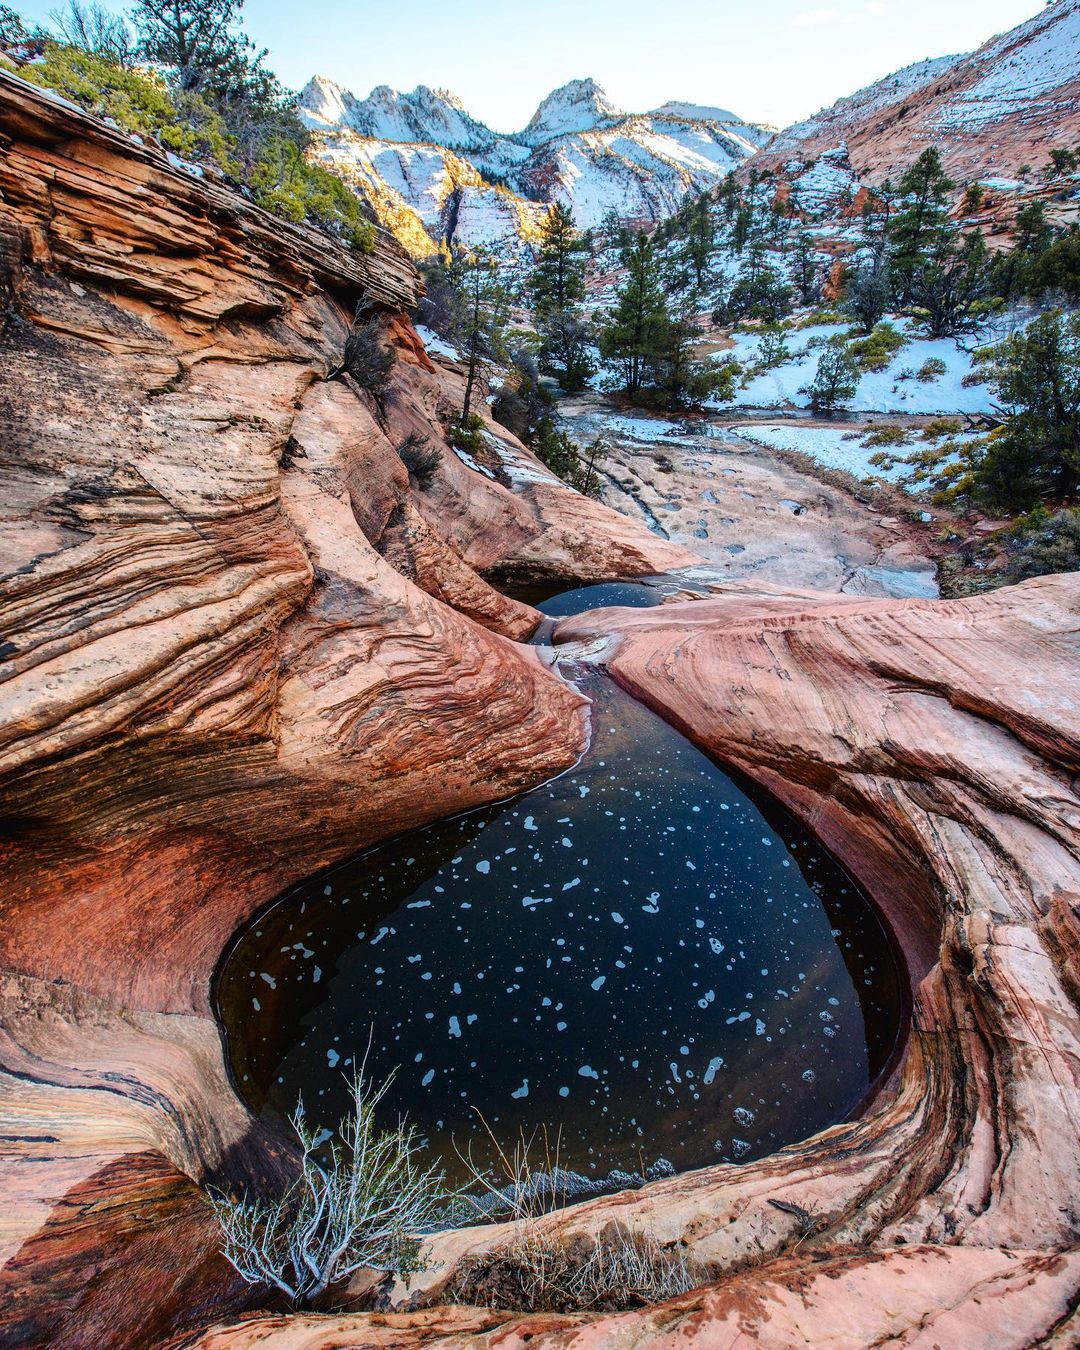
(426, 165)
(1034, 59)
(434, 343)
(580, 105)
(896, 389)
(834, 447)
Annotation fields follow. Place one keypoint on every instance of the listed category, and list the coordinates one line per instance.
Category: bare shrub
(360, 1201)
(614, 1270)
(419, 456)
(369, 360)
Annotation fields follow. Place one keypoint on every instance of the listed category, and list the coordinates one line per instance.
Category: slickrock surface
(238, 644)
(235, 647)
(750, 515)
(934, 746)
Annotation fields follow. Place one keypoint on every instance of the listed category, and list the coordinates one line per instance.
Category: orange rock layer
(239, 643)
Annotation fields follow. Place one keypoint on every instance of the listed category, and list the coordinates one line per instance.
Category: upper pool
(646, 955)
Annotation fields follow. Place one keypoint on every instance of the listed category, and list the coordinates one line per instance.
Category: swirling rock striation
(236, 646)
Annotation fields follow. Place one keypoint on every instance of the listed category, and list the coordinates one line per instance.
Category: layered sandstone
(237, 644)
(240, 643)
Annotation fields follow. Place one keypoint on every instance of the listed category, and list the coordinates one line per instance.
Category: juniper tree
(916, 227)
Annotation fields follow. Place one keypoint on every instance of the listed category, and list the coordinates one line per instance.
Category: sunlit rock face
(989, 112)
(434, 173)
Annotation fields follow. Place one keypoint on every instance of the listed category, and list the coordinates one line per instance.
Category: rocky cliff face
(236, 644)
(430, 169)
(989, 112)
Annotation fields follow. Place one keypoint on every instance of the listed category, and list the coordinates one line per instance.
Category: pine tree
(700, 242)
(835, 380)
(805, 269)
(484, 323)
(1036, 373)
(196, 38)
(916, 227)
(558, 279)
(640, 315)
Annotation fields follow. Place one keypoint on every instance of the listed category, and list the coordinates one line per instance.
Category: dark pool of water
(604, 595)
(639, 954)
(556, 601)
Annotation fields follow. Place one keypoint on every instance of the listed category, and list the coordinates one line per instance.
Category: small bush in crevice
(420, 457)
(369, 360)
(467, 438)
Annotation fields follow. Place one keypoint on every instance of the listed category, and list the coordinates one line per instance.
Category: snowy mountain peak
(580, 105)
(431, 116)
(694, 112)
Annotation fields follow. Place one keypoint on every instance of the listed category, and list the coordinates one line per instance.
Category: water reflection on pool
(637, 953)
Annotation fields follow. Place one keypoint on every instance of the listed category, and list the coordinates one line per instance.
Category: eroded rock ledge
(239, 644)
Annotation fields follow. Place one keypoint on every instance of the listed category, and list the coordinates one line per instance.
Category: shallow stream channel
(647, 958)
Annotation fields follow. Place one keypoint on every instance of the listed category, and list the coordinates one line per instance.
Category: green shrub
(285, 183)
(886, 436)
(141, 102)
(941, 427)
(931, 370)
(874, 353)
(1042, 543)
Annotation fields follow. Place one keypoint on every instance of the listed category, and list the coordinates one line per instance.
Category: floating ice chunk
(427, 1078)
(530, 823)
(598, 983)
(715, 1064)
(268, 978)
(455, 1027)
(586, 1071)
(569, 886)
(483, 867)
(522, 1091)
(618, 918)
(332, 1057)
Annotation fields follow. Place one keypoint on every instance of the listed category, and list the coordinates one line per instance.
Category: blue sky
(767, 60)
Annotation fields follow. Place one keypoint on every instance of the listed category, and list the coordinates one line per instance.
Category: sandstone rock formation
(221, 670)
(990, 112)
(239, 643)
(934, 747)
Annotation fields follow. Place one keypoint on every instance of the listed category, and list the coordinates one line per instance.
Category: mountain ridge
(405, 153)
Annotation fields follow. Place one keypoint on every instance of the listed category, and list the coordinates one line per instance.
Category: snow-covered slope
(459, 178)
(580, 105)
(989, 112)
